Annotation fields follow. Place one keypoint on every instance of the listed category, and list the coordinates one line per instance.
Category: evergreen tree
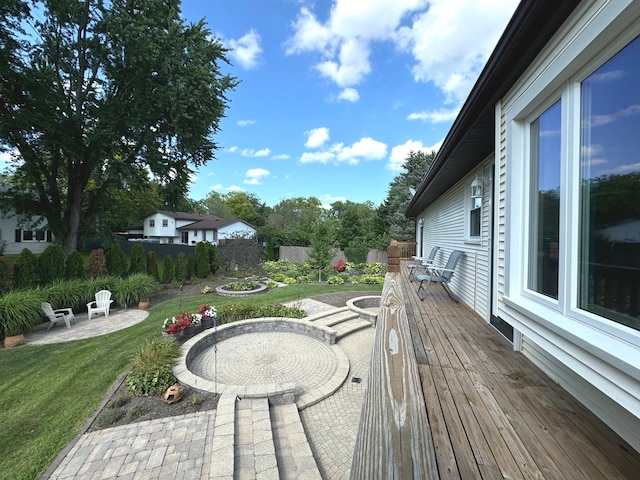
(138, 259)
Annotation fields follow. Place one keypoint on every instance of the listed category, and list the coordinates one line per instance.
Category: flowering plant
(178, 323)
(196, 318)
(207, 289)
(207, 311)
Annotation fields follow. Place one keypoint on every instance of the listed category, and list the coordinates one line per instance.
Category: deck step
(295, 458)
(255, 454)
(345, 328)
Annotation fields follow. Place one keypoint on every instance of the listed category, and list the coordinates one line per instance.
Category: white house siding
(158, 231)
(445, 226)
(596, 360)
(8, 228)
(236, 229)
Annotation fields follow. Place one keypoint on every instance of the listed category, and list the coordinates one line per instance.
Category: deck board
(492, 412)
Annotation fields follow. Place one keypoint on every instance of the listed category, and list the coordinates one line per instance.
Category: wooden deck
(492, 413)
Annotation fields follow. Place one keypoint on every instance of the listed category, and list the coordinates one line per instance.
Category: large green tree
(99, 94)
(392, 211)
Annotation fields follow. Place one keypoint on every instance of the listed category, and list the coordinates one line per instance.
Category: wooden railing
(407, 249)
(394, 439)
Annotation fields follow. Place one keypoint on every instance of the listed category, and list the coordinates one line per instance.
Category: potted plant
(209, 316)
(144, 304)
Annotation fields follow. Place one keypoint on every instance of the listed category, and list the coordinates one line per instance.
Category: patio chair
(437, 274)
(59, 315)
(101, 304)
(424, 263)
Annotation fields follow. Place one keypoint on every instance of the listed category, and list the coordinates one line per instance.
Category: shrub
(97, 264)
(152, 371)
(19, 311)
(192, 266)
(138, 259)
(25, 270)
(214, 258)
(234, 312)
(74, 267)
(168, 270)
(152, 266)
(357, 254)
(51, 264)
(6, 274)
(129, 291)
(335, 280)
(68, 294)
(182, 267)
(203, 265)
(117, 261)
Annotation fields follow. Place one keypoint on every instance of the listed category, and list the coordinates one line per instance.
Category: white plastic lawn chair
(59, 315)
(101, 304)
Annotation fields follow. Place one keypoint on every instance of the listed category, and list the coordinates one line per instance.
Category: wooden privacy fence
(301, 254)
(394, 439)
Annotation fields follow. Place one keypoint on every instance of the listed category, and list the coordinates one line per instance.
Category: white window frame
(469, 207)
(561, 70)
(152, 223)
(165, 222)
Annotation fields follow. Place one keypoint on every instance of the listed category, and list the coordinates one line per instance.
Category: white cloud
(317, 157)
(366, 148)
(399, 153)
(599, 120)
(349, 94)
(435, 116)
(246, 49)
(232, 188)
(327, 200)
(449, 41)
(317, 137)
(232, 149)
(245, 123)
(351, 66)
(250, 152)
(282, 156)
(255, 176)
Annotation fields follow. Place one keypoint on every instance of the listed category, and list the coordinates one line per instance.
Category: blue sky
(335, 93)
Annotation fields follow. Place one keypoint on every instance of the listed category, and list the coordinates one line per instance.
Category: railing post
(394, 439)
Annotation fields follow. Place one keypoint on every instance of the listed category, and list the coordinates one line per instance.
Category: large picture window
(610, 189)
(545, 202)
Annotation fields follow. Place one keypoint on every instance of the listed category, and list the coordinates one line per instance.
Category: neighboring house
(190, 228)
(519, 183)
(15, 235)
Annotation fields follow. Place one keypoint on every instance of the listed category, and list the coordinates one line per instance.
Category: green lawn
(50, 391)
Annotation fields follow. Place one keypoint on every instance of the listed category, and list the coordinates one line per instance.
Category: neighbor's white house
(538, 182)
(15, 236)
(190, 228)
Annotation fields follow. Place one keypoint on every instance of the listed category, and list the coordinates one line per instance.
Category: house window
(545, 202)
(152, 223)
(184, 237)
(165, 222)
(475, 209)
(31, 235)
(609, 259)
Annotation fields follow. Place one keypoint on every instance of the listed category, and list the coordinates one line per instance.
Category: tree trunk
(70, 242)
